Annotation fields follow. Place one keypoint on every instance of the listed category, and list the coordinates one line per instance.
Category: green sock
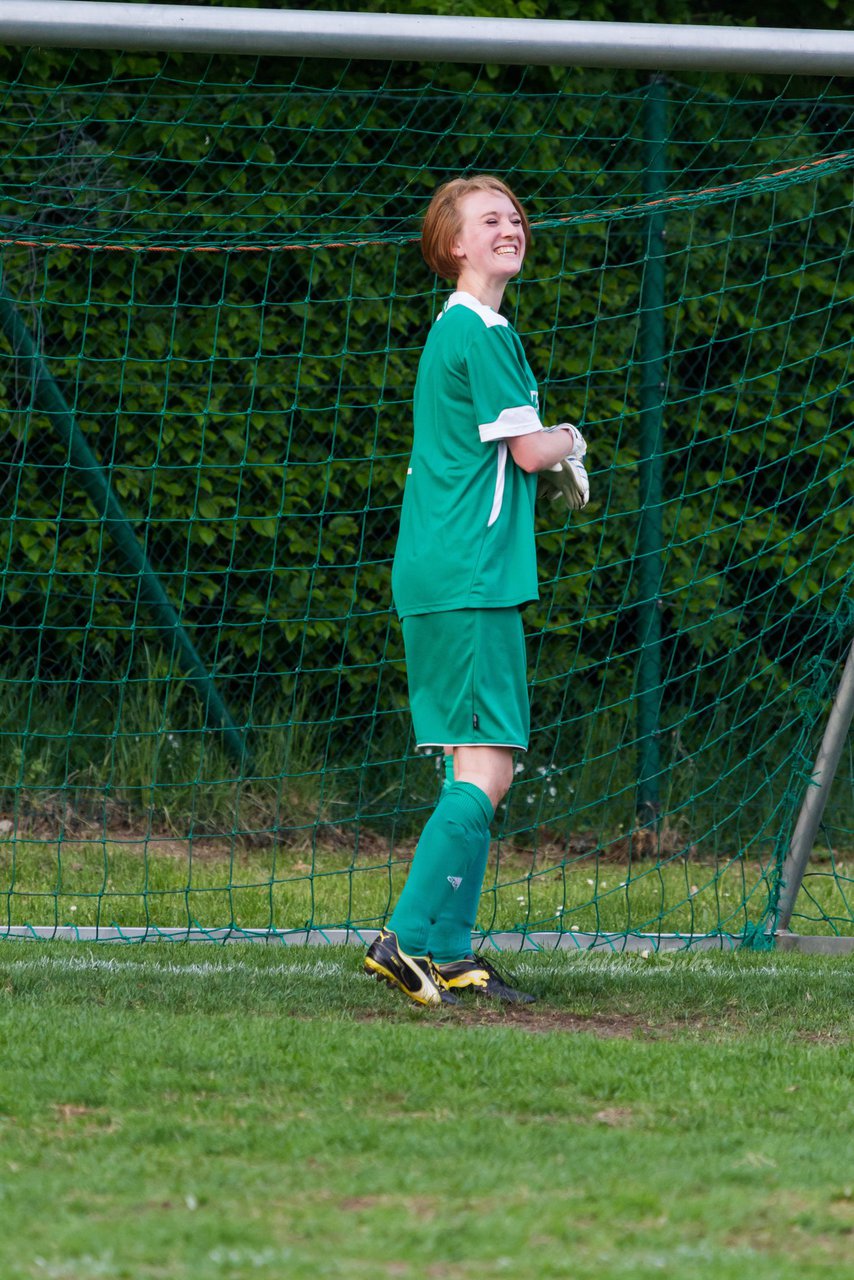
(450, 861)
(450, 936)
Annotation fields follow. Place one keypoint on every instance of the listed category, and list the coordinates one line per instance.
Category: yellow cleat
(415, 976)
(476, 975)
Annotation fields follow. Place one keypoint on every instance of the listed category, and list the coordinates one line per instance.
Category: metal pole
(205, 28)
(824, 771)
(48, 397)
(650, 531)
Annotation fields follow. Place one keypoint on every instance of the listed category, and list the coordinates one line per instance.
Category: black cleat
(477, 975)
(415, 976)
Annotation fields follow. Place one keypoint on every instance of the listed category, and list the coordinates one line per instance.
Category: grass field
(245, 1111)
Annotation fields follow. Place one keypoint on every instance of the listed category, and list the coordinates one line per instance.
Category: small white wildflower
(519, 768)
(646, 953)
(573, 928)
(559, 910)
(73, 908)
(552, 792)
(694, 890)
(530, 799)
(589, 881)
(520, 898)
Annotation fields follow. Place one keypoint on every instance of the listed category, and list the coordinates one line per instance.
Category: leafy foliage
(247, 386)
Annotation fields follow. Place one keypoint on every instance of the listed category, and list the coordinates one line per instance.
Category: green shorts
(467, 676)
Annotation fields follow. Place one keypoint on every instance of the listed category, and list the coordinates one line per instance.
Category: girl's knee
(490, 768)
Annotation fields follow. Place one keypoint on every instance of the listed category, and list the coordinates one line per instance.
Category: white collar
(487, 314)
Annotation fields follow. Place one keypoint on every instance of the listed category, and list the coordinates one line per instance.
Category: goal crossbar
(301, 33)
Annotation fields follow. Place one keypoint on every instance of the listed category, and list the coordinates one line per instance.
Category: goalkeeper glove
(568, 478)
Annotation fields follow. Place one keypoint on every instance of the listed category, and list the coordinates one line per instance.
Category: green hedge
(253, 408)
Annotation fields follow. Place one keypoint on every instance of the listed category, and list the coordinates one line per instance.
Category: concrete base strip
(507, 942)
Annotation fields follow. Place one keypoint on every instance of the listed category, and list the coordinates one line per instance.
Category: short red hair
(442, 221)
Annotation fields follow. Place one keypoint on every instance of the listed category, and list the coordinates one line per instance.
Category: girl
(464, 566)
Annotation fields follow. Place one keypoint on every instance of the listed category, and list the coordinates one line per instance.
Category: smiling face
(490, 244)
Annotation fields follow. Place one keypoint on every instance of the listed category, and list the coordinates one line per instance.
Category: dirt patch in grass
(827, 1035)
(65, 826)
(80, 1121)
(606, 1026)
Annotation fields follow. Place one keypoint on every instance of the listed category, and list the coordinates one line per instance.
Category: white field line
(321, 968)
(325, 967)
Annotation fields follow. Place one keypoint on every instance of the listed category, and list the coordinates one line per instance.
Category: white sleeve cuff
(521, 421)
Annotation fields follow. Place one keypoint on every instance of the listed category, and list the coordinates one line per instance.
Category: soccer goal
(212, 304)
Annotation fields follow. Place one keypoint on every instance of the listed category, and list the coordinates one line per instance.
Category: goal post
(821, 780)
(208, 225)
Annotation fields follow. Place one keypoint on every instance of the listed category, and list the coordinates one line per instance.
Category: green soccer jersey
(466, 536)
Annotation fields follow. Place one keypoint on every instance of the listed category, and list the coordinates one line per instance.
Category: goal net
(212, 305)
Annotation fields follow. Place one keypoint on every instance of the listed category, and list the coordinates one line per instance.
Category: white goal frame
(103, 24)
